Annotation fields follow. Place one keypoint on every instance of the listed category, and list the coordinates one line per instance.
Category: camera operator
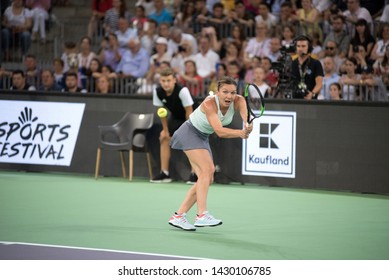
(306, 70)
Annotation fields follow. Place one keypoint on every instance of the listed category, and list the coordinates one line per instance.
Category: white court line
(95, 249)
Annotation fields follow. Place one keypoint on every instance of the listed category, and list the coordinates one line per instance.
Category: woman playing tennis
(215, 112)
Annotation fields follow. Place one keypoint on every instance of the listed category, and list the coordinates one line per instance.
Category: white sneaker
(206, 220)
(180, 221)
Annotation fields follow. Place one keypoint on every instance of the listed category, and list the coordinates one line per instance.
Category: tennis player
(210, 117)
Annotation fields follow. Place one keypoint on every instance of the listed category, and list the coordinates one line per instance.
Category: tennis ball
(162, 113)
(211, 93)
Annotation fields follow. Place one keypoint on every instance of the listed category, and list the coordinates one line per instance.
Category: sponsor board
(271, 148)
(39, 132)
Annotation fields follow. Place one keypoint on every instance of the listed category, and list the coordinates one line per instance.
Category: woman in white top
(380, 46)
(17, 21)
(350, 81)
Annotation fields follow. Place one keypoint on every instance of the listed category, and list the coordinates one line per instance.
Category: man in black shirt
(307, 72)
(19, 81)
(179, 102)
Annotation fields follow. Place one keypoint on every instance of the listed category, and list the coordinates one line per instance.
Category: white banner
(271, 148)
(39, 132)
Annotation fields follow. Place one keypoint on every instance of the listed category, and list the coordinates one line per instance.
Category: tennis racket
(254, 101)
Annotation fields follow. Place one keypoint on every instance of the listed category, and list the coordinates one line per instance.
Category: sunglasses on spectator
(330, 48)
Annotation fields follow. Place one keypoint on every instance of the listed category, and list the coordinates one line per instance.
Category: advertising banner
(39, 132)
(271, 148)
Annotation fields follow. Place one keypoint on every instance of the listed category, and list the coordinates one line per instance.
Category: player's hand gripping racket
(254, 101)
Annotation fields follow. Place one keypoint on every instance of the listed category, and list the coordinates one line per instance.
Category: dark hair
(60, 61)
(226, 81)
(71, 74)
(17, 72)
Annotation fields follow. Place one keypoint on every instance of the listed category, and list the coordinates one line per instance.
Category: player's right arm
(210, 110)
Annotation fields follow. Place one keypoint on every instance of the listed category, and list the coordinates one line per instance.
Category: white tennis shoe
(206, 220)
(180, 221)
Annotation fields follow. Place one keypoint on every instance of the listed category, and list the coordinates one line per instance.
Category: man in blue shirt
(161, 14)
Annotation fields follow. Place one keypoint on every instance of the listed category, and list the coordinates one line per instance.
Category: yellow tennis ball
(162, 113)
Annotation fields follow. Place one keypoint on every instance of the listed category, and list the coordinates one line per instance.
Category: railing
(140, 86)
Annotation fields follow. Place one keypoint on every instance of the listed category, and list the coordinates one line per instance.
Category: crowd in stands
(202, 40)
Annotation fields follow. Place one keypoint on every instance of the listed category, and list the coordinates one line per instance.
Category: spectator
(71, 83)
(238, 36)
(381, 68)
(379, 47)
(288, 35)
(32, 72)
(135, 61)
(331, 49)
(200, 16)
(354, 12)
(140, 18)
(338, 35)
(19, 82)
(48, 81)
(259, 81)
(219, 21)
(242, 18)
(149, 36)
(221, 71)
(92, 73)
(309, 19)
(59, 77)
(111, 19)
(206, 59)
(112, 53)
(271, 77)
(176, 39)
(124, 33)
(335, 91)
(184, 53)
(385, 14)
(350, 80)
(17, 22)
(84, 58)
(233, 53)
(191, 79)
(70, 50)
(233, 71)
(275, 46)
(267, 17)
(258, 46)
(330, 77)
(99, 8)
(362, 36)
(249, 73)
(156, 59)
(164, 30)
(161, 14)
(363, 60)
(40, 11)
(103, 85)
(287, 16)
(184, 18)
(148, 5)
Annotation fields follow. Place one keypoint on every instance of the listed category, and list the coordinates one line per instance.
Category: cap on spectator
(161, 40)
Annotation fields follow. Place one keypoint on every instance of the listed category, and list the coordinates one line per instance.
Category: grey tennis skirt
(187, 137)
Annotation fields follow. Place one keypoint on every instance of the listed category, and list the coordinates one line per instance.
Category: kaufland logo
(270, 149)
(39, 132)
